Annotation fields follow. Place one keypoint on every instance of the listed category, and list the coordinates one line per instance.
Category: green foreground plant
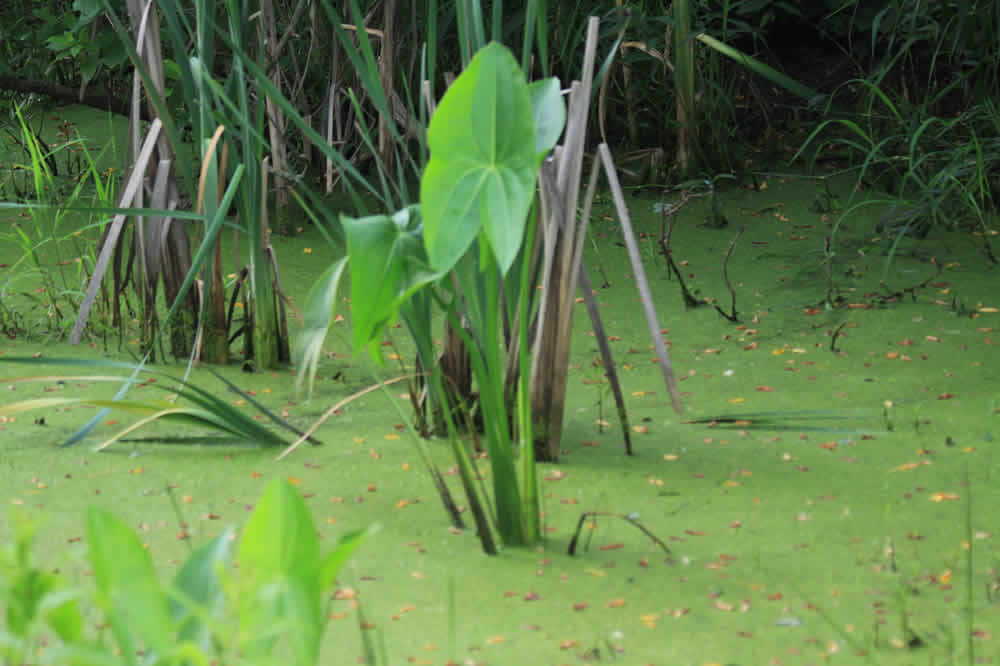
(271, 609)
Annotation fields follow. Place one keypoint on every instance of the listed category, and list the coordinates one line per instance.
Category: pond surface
(796, 543)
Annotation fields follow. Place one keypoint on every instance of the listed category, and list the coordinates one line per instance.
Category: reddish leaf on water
(764, 389)
(531, 596)
(580, 605)
(946, 396)
(612, 546)
(616, 603)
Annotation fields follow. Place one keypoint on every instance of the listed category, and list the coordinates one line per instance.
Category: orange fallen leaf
(942, 497)
(722, 605)
(764, 389)
(616, 603)
(612, 546)
(906, 467)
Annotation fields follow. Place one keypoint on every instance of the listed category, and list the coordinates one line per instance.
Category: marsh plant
(272, 606)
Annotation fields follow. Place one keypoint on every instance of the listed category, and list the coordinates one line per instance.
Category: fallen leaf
(942, 497)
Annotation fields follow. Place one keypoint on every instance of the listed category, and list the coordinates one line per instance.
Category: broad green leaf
(318, 313)
(549, 113)
(388, 263)
(280, 576)
(481, 174)
(198, 582)
(127, 590)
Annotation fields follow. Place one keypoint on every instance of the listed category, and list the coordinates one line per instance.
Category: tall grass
(928, 173)
(55, 236)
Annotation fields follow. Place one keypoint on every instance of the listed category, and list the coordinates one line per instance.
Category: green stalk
(496, 420)
(530, 509)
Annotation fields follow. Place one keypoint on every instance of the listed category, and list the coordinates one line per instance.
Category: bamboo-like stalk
(215, 332)
(562, 240)
(684, 86)
(640, 276)
(275, 118)
(386, 74)
(264, 317)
